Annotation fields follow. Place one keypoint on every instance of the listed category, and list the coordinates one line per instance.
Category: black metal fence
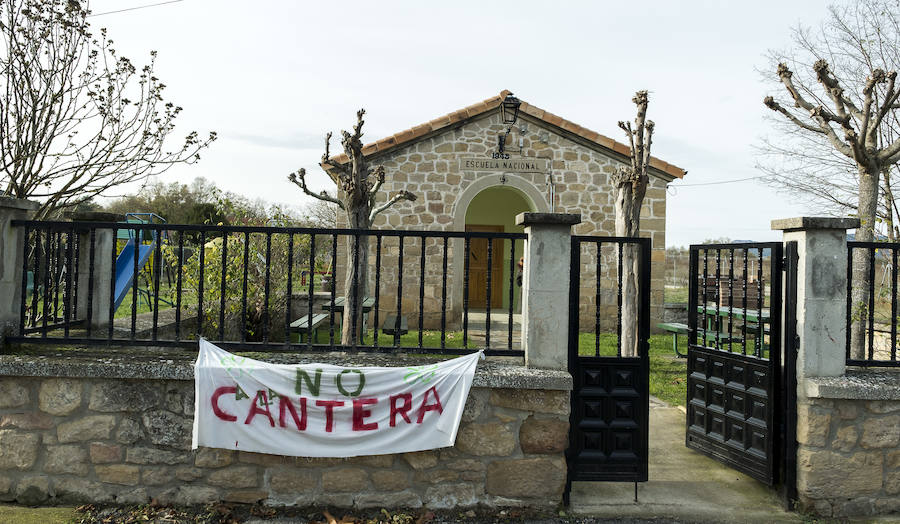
(730, 303)
(269, 288)
(599, 290)
(872, 304)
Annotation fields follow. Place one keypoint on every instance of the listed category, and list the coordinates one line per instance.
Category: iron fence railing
(607, 298)
(872, 304)
(269, 288)
(735, 299)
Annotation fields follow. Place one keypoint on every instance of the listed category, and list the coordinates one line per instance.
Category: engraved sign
(511, 165)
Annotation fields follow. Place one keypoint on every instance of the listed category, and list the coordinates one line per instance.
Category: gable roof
(413, 134)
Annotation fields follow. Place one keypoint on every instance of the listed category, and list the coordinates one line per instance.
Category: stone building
(550, 165)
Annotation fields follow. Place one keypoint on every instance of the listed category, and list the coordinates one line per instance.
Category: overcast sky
(271, 77)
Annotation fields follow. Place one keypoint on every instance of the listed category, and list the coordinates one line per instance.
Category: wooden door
(478, 269)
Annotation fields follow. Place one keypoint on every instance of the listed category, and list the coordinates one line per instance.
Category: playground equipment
(139, 244)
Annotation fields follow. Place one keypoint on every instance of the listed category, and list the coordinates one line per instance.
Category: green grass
(668, 374)
(13, 514)
(676, 294)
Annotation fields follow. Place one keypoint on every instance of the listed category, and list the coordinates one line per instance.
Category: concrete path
(683, 485)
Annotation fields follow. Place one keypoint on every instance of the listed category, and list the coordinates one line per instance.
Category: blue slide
(125, 267)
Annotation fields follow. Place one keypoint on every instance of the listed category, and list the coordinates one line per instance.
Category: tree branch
(379, 181)
(402, 195)
(778, 108)
(299, 179)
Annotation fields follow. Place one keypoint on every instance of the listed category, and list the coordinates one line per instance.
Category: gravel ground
(228, 514)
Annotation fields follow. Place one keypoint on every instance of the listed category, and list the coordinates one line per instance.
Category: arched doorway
(494, 209)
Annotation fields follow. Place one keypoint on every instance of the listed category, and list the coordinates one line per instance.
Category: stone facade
(128, 441)
(578, 171)
(848, 462)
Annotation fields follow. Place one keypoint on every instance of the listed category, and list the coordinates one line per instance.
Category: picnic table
(737, 313)
(338, 304)
(338, 307)
(705, 335)
(752, 318)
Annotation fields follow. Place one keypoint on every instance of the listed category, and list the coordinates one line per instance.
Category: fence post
(821, 291)
(12, 255)
(103, 267)
(545, 288)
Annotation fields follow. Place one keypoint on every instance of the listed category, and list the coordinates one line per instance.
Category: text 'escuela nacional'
(514, 165)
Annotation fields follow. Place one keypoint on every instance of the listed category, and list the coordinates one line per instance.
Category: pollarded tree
(358, 187)
(852, 126)
(77, 119)
(858, 40)
(630, 183)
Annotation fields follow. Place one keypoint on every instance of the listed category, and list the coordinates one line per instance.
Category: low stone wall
(674, 312)
(848, 428)
(125, 439)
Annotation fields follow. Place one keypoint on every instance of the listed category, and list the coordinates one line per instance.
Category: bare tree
(321, 214)
(77, 119)
(630, 183)
(854, 124)
(358, 186)
(857, 41)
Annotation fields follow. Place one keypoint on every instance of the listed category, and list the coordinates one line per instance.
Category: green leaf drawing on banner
(237, 363)
(420, 373)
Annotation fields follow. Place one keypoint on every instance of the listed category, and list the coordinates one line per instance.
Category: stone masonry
(429, 168)
(848, 463)
(69, 440)
(848, 420)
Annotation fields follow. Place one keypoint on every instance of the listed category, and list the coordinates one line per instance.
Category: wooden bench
(390, 325)
(304, 325)
(677, 328)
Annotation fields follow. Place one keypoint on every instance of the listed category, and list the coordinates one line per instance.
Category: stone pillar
(104, 244)
(821, 291)
(12, 255)
(545, 288)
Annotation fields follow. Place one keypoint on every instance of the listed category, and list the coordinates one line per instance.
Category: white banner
(321, 410)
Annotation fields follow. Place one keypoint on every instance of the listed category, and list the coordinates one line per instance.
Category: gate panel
(610, 396)
(609, 412)
(734, 349)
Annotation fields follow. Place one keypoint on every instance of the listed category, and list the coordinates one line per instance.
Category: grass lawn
(11, 514)
(676, 294)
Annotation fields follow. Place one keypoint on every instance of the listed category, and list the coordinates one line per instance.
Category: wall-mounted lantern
(509, 113)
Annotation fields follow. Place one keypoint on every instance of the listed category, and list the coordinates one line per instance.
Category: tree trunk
(888, 204)
(627, 225)
(356, 282)
(859, 294)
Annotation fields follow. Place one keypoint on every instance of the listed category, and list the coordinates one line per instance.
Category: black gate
(740, 378)
(610, 396)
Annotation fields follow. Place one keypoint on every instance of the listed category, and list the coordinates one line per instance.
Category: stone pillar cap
(548, 219)
(18, 203)
(93, 216)
(808, 223)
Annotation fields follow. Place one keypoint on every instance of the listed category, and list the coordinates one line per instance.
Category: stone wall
(430, 169)
(128, 441)
(848, 461)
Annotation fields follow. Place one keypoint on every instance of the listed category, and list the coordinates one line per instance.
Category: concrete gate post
(12, 255)
(545, 288)
(821, 291)
(103, 267)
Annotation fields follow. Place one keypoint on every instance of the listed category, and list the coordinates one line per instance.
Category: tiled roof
(428, 128)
